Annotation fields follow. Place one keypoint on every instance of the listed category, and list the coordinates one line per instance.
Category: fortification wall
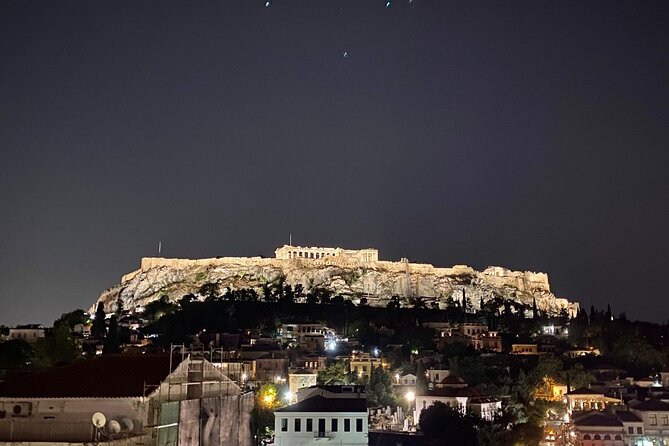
(496, 276)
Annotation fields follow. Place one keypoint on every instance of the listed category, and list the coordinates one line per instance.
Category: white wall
(290, 437)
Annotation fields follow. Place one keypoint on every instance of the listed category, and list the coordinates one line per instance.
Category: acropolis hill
(352, 273)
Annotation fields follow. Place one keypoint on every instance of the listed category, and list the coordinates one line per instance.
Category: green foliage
(336, 371)
(158, 308)
(631, 348)
(111, 344)
(15, 356)
(380, 390)
(448, 425)
(99, 329)
(210, 291)
(72, 318)
(56, 348)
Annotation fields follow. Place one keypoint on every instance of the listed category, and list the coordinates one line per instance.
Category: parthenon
(287, 252)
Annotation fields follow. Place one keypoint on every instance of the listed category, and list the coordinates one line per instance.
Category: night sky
(526, 134)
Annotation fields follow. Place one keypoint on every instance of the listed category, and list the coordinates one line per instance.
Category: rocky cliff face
(377, 281)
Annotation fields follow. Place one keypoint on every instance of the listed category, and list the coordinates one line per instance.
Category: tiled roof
(584, 391)
(322, 404)
(627, 417)
(653, 405)
(596, 418)
(452, 380)
(106, 376)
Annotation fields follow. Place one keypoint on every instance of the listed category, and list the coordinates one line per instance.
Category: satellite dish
(127, 424)
(99, 420)
(113, 427)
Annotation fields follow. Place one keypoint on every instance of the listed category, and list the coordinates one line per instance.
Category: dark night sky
(526, 134)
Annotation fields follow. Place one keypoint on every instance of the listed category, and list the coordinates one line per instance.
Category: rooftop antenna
(160, 247)
(290, 239)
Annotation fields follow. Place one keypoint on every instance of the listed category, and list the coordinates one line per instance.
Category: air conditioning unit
(21, 409)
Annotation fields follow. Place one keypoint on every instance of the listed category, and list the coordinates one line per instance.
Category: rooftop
(322, 404)
(627, 417)
(652, 405)
(596, 418)
(107, 376)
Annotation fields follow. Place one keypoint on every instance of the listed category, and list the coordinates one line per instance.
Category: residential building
(454, 392)
(332, 391)
(300, 379)
(584, 399)
(341, 421)
(436, 373)
(144, 399)
(598, 429)
(361, 363)
(29, 333)
(655, 417)
(525, 349)
(489, 341)
(633, 426)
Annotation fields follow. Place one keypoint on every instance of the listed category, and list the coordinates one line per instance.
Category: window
(347, 425)
(597, 437)
(665, 420)
(586, 437)
(310, 424)
(321, 427)
(298, 424)
(607, 437)
(335, 425)
(358, 424)
(653, 420)
(639, 430)
(618, 437)
(630, 430)
(284, 424)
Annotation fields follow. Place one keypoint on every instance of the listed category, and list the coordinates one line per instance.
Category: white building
(145, 399)
(598, 429)
(28, 333)
(655, 417)
(455, 393)
(340, 421)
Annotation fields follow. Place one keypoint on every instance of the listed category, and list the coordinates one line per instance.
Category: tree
(380, 389)
(119, 307)
(72, 318)
(210, 291)
(15, 355)
(421, 380)
(99, 329)
(535, 311)
(111, 344)
(335, 371)
(56, 348)
(447, 425)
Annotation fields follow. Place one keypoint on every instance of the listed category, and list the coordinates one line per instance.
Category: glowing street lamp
(410, 396)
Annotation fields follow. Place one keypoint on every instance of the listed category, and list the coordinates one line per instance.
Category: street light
(410, 396)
